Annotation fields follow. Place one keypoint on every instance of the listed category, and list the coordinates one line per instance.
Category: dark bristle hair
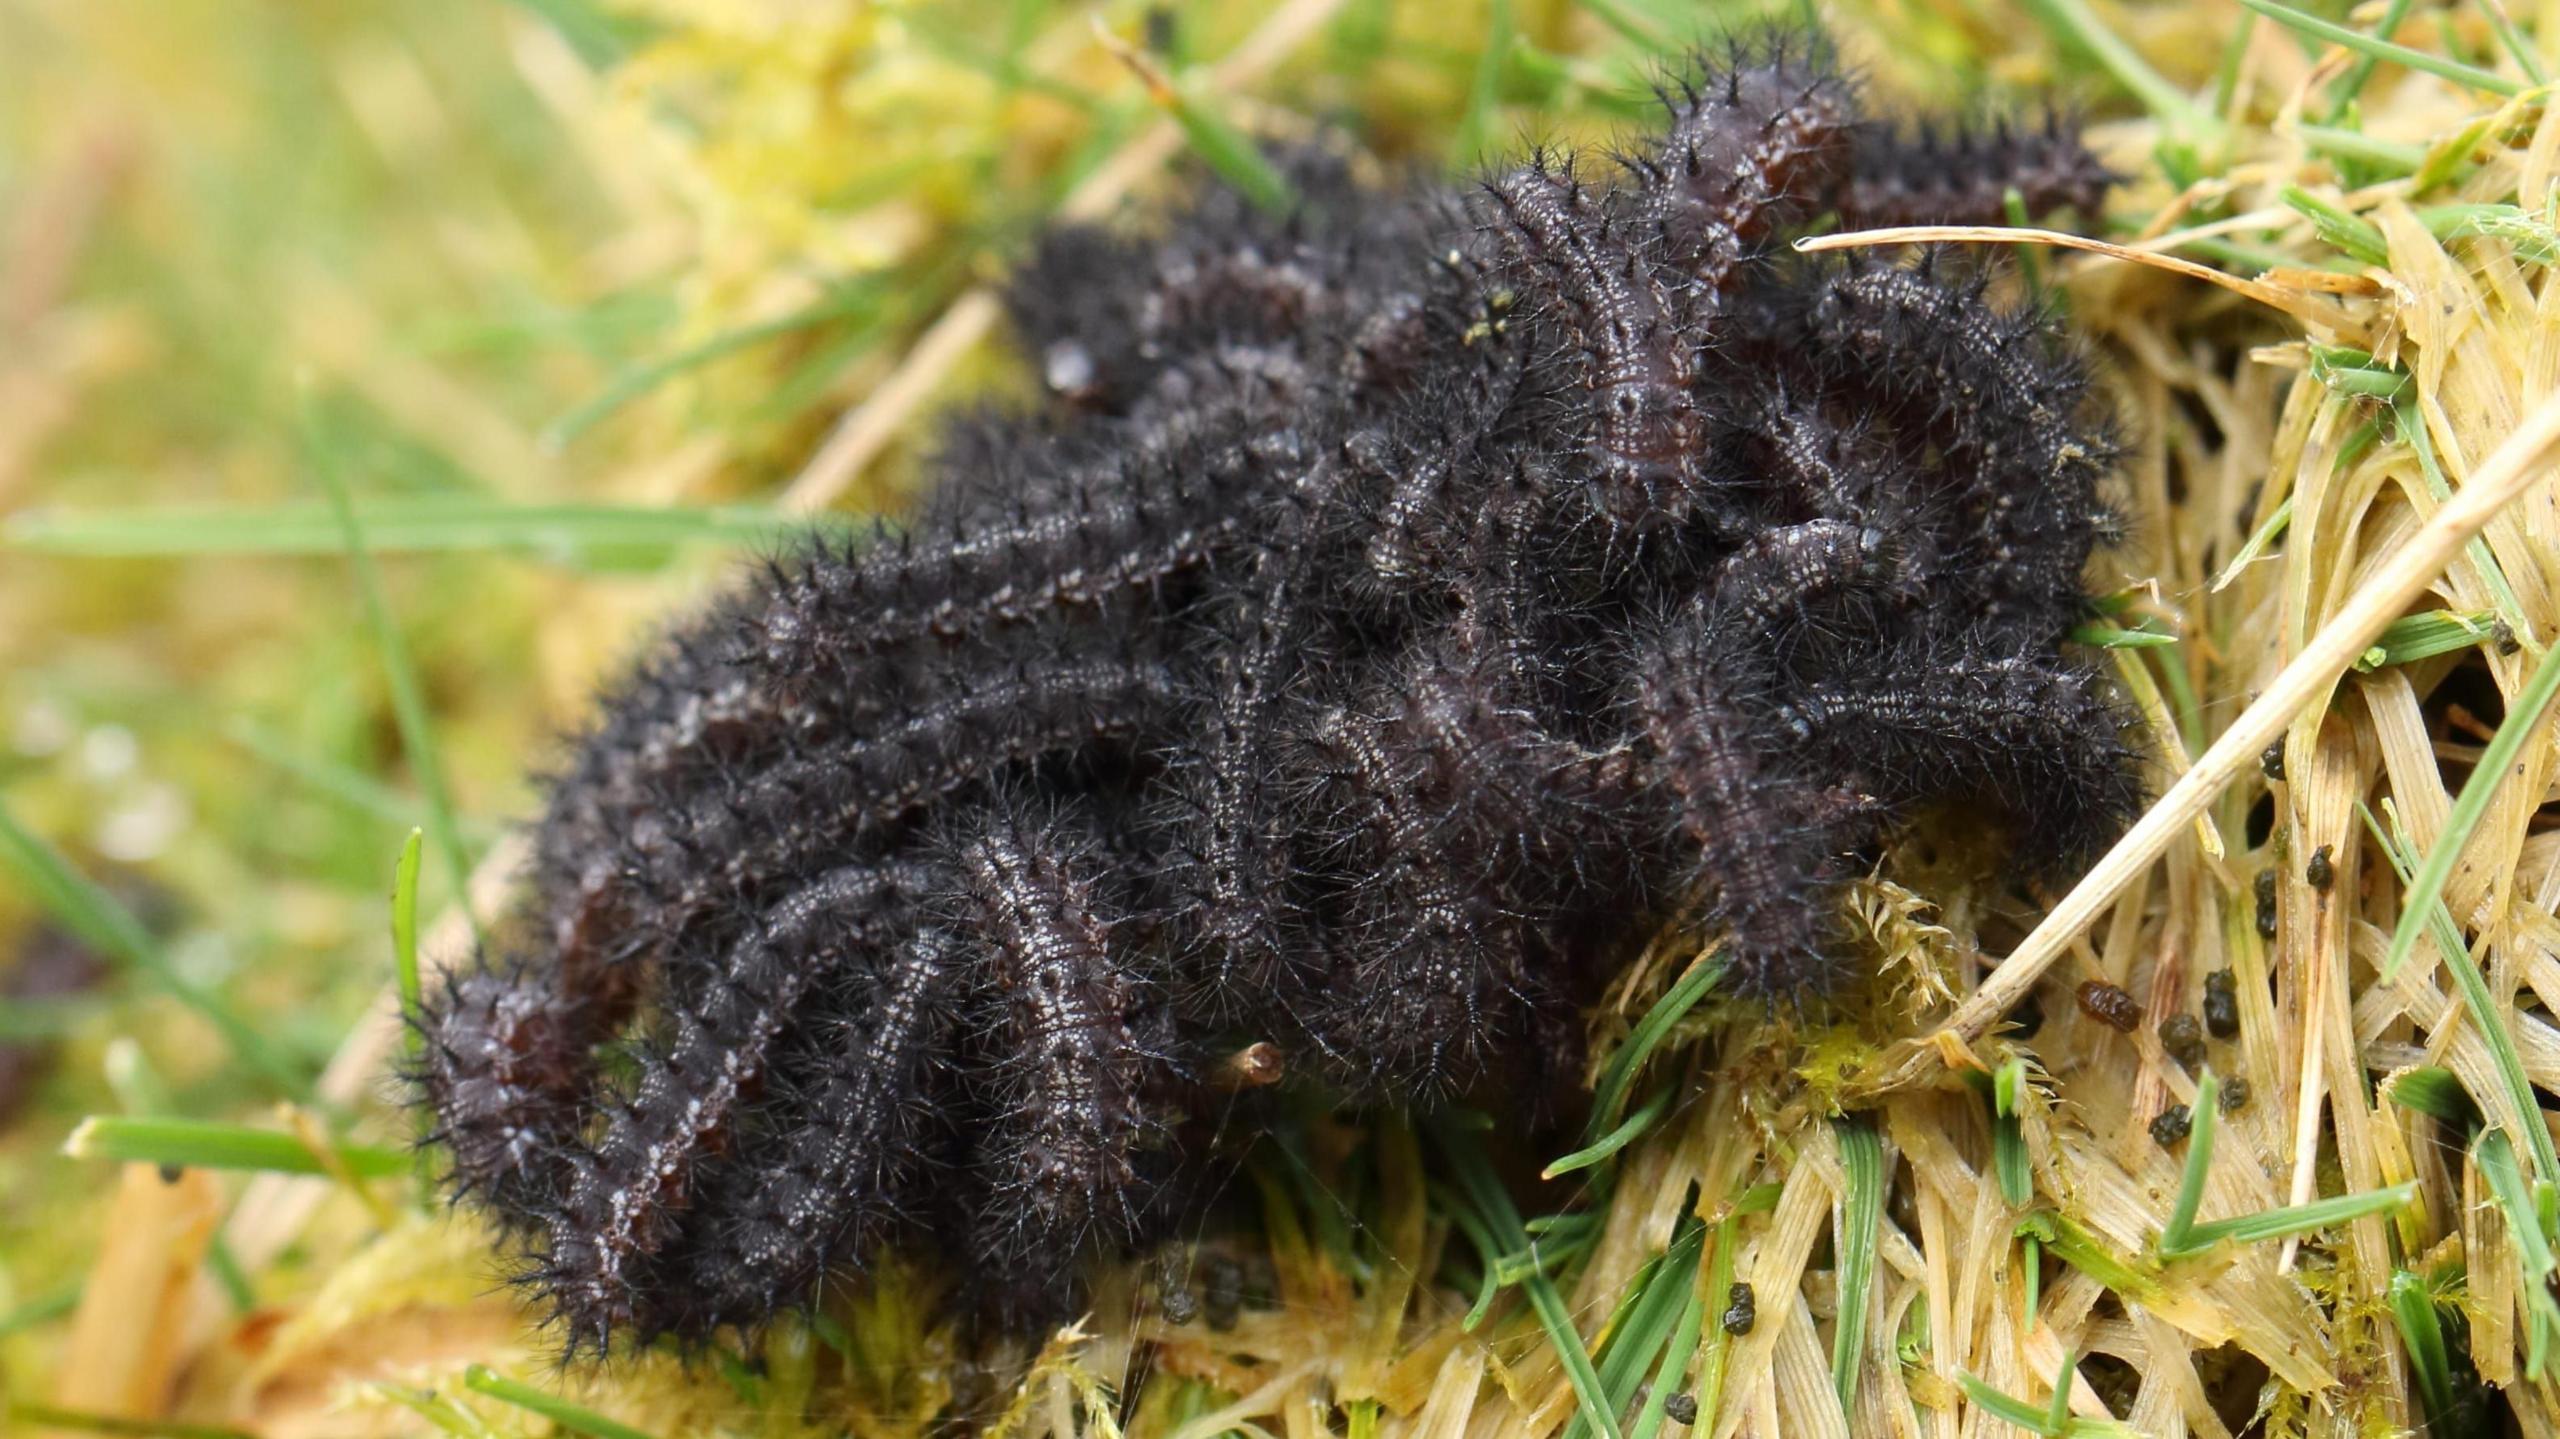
(1393, 613)
(1938, 173)
(1079, 1072)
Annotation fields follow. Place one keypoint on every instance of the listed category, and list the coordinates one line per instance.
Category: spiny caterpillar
(1398, 610)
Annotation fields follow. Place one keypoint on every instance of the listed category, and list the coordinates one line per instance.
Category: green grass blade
(2424, 636)
(2434, 1090)
(2517, 47)
(1861, 1220)
(1616, 1139)
(43, 1309)
(2176, 1235)
(2342, 97)
(2293, 1219)
(2116, 637)
(2008, 1409)
(1719, 1346)
(2426, 888)
(408, 697)
(2449, 160)
(404, 960)
(2379, 49)
(107, 926)
(1675, 1359)
(2075, 24)
(601, 37)
(1674, 1005)
(2413, 1309)
(1558, 1322)
(1489, 1285)
(1470, 146)
(2390, 158)
(341, 784)
(47, 1416)
(229, 1277)
(638, 380)
(2340, 229)
(1648, 1322)
(2532, 237)
(143, 1094)
(576, 1418)
(2029, 258)
(2008, 1141)
(2413, 424)
(2484, 1011)
(578, 534)
(2351, 371)
(404, 929)
(2273, 525)
(447, 1416)
(2076, 1245)
(2495, 1157)
(1481, 1191)
(205, 1144)
(2057, 1414)
(1629, 1302)
(1228, 152)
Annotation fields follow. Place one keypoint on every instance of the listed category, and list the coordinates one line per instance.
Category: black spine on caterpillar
(627, 1195)
(1811, 462)
(1846, 546)
(1049, 700)
(1113, 537)
(505, 1061)
(1428, 964)
(1754, 144)
(1958, 174)
(1423, 485)
(1107, 316)
(1076, 313)
(1834, 578)
(1495, 704)
(1581, 276)
(509, 1051)
(858, 1102)
(1229, 856)
(2028, 447)
(1076, 1153)
(685, 719)
(1744, 824)
(2033, 733)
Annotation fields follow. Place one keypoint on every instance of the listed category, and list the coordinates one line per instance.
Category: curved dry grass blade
(2298, 303)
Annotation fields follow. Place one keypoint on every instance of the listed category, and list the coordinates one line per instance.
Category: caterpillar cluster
(1397, 609)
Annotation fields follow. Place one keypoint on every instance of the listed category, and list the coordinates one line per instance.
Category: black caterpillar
(1400, 609)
